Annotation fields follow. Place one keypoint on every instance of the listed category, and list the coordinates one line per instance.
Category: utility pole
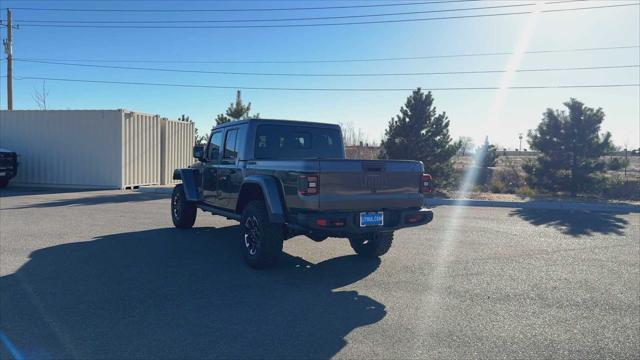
(8, 44)
(626, 158)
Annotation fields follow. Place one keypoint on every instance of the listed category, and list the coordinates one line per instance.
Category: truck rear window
(297, 142)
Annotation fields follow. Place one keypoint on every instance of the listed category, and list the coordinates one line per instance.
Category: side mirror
(198, 152)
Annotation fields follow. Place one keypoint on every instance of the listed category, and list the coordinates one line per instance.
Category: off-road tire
(372, 245)
(260, 240)
(183, 212)
(4, 183)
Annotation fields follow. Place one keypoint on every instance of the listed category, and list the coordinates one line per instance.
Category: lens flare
(431, 301)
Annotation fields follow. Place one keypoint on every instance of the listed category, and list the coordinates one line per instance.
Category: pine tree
(236, 111)
(486, 155)
(420, 133)
(571, 149)
(200, 139)
(221, 119)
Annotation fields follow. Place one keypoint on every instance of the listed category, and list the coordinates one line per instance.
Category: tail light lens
(330, 222)
(308, 185)
(414, 218)
(426, 184)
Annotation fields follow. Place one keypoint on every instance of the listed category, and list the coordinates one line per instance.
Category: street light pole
(520, 137)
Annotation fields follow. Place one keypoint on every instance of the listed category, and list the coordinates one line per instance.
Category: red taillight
(308, 185)
(414, 218)
(330, 222)
(426, 184)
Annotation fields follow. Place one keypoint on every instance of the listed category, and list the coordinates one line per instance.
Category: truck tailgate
(369, 184)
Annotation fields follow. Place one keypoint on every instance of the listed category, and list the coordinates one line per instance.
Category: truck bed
(347, 185)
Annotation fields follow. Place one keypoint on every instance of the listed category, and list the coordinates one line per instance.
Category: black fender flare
(190, 183)
(272, 192)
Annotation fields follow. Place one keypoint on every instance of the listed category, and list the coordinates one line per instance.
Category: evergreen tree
(236, 111)
(420, 133)
(486, 155)
(201, 139)
(221, 119)
(571, 149)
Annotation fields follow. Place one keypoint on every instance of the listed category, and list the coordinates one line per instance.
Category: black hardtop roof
(275, 122)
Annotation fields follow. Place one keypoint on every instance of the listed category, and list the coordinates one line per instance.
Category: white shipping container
(141, 149)
(178, 138)
(89, 148)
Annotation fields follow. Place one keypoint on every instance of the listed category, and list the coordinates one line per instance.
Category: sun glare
(452, 227)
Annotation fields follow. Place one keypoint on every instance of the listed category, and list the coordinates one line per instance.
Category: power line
(440, 56)
(247, 9)
(279, 19)
(326, 24)
(270, 20)
(212, 1)
(320, 89)
(460, 72)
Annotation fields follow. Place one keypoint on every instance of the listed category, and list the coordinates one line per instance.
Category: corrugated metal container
(89, 148)
(177, 144)
(66, 148)
(141, 149)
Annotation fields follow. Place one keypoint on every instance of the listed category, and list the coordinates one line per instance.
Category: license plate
(371, 219)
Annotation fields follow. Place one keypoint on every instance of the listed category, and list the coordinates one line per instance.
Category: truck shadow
(576, 222)
(168, 293)
(89, 198)
(12, 190)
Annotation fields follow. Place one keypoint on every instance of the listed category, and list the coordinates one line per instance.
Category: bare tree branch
(40, 97)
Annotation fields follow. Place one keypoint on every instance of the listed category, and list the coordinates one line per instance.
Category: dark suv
(286, 178)
(8, 166)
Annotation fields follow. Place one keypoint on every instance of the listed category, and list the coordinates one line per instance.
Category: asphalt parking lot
(103, 274)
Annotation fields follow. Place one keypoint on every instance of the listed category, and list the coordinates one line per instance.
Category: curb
(155, 189)
(542, 205)
(535, 204)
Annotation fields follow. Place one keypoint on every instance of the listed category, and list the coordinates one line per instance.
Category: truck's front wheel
(261, 240)
(372, 245)
(183, 212)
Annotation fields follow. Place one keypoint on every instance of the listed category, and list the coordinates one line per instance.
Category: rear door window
(230, 147)
(297, 142)
(215, 144)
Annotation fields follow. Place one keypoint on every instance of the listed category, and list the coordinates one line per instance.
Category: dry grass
(362, 152)
(515, 162)
(510, 160)
(508, 179)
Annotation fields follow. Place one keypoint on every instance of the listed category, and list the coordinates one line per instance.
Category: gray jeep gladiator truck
(286, 178)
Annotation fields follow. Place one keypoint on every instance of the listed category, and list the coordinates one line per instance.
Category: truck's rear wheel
(3, 183)
(261, 240)
(183, 212)
(372, 245)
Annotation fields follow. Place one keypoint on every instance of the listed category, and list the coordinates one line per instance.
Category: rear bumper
(393, 220)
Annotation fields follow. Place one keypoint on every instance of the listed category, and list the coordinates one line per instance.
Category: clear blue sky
(468, 110)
